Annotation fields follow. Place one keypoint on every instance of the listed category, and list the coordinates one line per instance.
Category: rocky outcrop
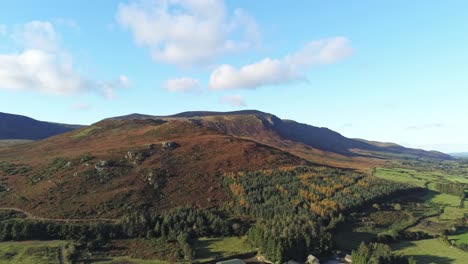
(169, 145)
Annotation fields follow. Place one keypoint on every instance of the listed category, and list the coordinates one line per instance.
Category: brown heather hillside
(118, 165)
(318, 145)
(148, 163)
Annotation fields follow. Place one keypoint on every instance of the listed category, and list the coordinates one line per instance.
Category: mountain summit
(270, 129)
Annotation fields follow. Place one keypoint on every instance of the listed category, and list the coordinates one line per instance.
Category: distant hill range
(22, 127)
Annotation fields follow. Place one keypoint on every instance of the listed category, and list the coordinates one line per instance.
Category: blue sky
(381, 70)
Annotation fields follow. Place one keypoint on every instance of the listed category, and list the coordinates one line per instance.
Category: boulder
(168, 145)
(312, 260)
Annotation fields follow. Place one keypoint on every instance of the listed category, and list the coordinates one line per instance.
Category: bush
(463, 246)
(377, 253)
(397, 207)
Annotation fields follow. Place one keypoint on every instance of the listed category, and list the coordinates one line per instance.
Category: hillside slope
(116, 166)
(151, 163)
(270, 129)
(22, 127)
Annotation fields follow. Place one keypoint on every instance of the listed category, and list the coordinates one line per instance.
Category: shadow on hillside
(203, 250)
(426, 259)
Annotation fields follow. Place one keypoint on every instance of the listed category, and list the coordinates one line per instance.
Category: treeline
(283, 239)
(402, 235)
(180, 221)
(169, 225)
(28, 229)
(457, 189)
(182, 225)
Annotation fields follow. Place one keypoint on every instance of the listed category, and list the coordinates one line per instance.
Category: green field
(428, 179)
(428, 211)
(127, 260)
(460, 237)
(30, 252)
(399, 175)
(417, 177)
(431, 251)
(45, 252)
(34, 252)
(208, 249)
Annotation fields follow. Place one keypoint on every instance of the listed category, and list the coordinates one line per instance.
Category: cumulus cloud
(44, 66)
(183, 84)
(187, 32)
(35, 69)
(233, 100)
(279, 71)
(37, 35)
(107, 88)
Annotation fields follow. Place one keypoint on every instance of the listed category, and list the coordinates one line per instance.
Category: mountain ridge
(22, 127)
(321, 138)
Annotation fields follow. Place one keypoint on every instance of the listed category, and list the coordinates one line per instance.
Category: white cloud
(80, 107)
(107, 88)
(187, 32)
(182, 85)
(233, 100)
(320, 52)
(35, 69)
(37, 35)
(274, 71)
(44, 66)
(124, 81)
(3, 30)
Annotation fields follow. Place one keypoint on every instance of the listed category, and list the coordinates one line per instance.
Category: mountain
(270, 129)
(114, 166)
(459, 155)
(141, 162)
(22, 127)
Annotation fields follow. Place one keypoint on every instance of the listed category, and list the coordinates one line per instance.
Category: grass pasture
(30, 252)
(424, 179)
(209, 249)
(431, 251)
(417, 177)
(128, 260)
(138, 251)
(400, 175)
(461, 237)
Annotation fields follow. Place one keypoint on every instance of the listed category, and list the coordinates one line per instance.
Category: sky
(392, 71)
